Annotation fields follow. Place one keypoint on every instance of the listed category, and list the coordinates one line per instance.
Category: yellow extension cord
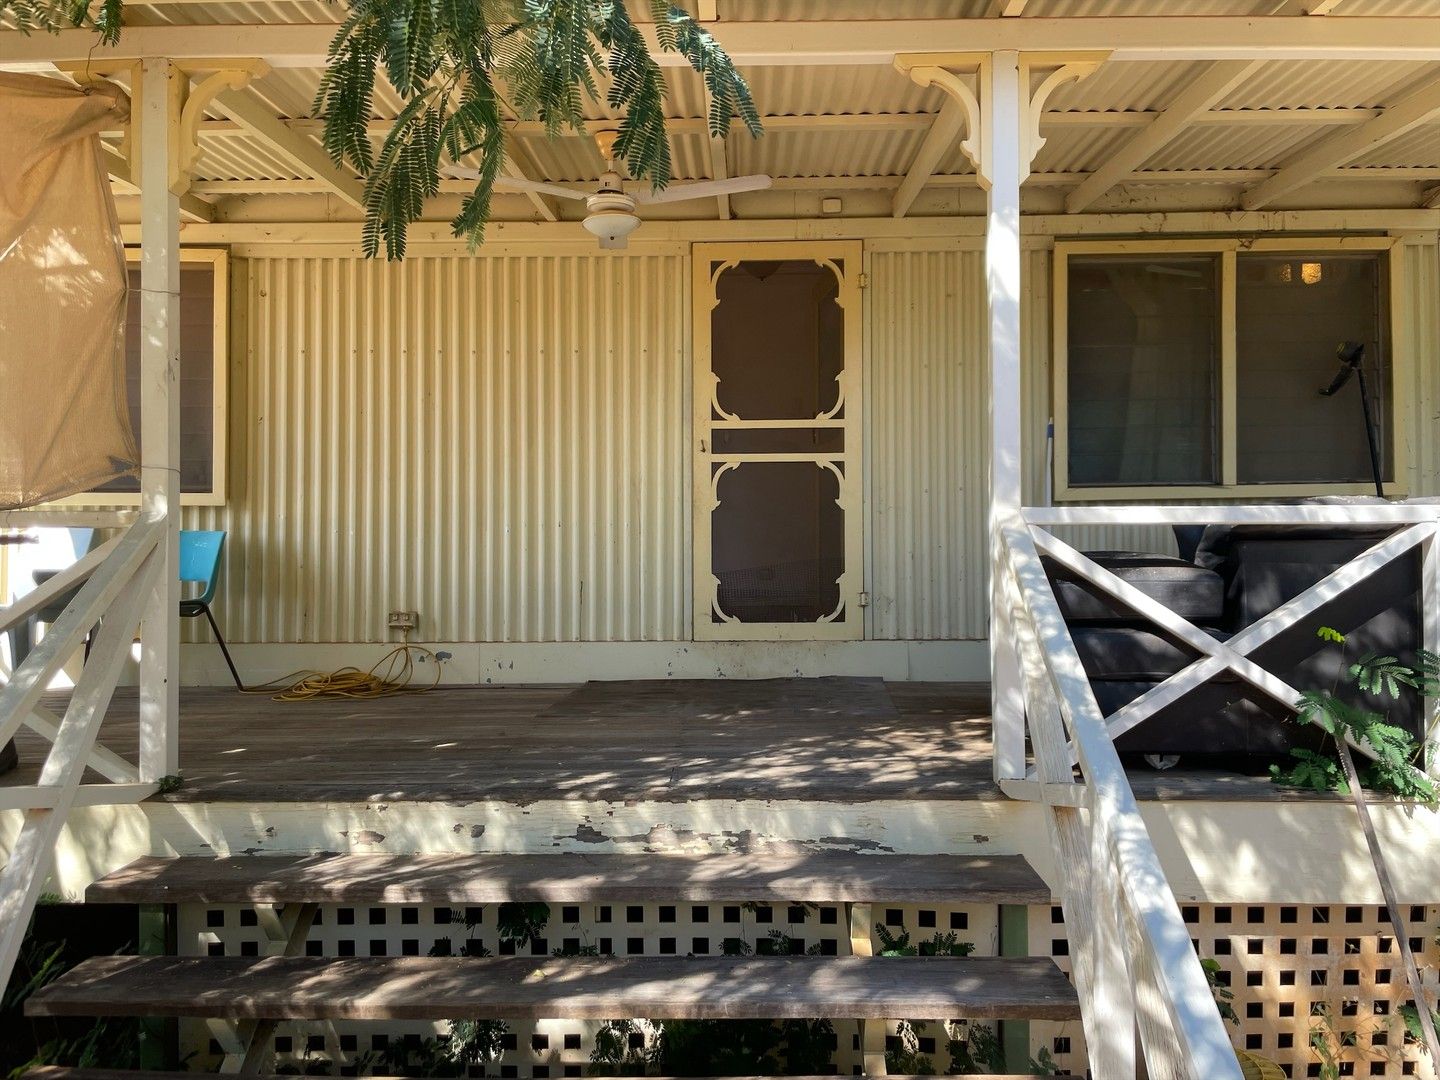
(393, 673)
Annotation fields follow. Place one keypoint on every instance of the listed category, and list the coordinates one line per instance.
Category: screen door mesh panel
(64, 426)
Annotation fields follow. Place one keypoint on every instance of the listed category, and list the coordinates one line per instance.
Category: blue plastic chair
(200, 552)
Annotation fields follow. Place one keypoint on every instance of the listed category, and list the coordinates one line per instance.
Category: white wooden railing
(115, 582)
(1133, 962)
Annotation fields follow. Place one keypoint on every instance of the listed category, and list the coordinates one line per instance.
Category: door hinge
(864, 600)
(862, 280)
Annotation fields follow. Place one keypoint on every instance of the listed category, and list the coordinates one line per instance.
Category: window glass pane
(1144, 361)
(777, 340)
(1292, 312)
(197, 375)
(778, 542)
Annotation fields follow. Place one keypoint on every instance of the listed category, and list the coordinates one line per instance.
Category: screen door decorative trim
(778, 512)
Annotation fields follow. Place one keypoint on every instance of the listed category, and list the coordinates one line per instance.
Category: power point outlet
(402, 620)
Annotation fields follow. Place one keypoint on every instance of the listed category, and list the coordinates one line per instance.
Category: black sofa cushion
(1192, 591)
(1131, 653)
(1217, 718)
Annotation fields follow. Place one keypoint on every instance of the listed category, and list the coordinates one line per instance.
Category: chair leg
(220, 639)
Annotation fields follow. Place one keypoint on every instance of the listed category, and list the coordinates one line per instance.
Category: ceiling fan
(610, 209)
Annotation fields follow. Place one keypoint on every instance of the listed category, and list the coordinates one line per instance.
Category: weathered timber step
(62, 1072)
(67, 1072)
(582, 988)
(574, 878)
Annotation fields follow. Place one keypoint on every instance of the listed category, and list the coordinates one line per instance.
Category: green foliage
(447, 58)
(947, 944)
(1223, 995)
(903, 1057)
(619, 1050)
(52, 16)
(1328, 1044)
(166, 784)
(522, 923)
(101, 1044)
(975, 1049)
(1410, 1015)
(713, 1048)
(1317, 772)
(1393, 770)
(465, 1044)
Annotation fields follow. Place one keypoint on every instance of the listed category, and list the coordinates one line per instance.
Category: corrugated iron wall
(1422, 299)
(500, 443)
(496, 442)
(927, 396)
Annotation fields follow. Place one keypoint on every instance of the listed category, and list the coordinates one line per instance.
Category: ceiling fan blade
(705, 189)
(619, 243)
(511, 183)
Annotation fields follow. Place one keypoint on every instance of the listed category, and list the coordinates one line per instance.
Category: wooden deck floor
(822, 739)
(830, 740)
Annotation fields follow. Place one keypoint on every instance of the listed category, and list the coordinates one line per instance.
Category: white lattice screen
(1288, 966)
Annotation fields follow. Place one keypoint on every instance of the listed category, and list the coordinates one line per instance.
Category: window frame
(219, 260)
(1228, 249)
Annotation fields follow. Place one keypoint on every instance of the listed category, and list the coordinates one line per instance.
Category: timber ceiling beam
(1194, 177)
(1309, 7)
(939, 141)
(192, 207)
(1005, 9)
(1215, 83)
(519, 166)
(841, 43)
(1416, 108)
(890, 122)
(299, 151)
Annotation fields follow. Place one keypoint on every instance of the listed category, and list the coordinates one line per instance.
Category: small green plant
(466, 1043)
(1329, 1044)
(903, 1056)
(1410, 1016)
(522, 923)
(168, 783)
(713, 1048)
(946, 944)
(1394, 770)
(1223, 995)
(28, 1043)
(975, 1049)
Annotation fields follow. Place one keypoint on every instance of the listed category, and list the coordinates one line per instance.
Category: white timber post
(161, 91)
(1430, 630)
(1003, 147)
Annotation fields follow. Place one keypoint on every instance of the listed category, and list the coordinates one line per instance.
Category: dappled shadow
(770, 875)
(595, 988)
(824, 739)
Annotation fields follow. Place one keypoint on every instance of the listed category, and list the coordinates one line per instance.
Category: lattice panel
(549, 1048)
(1295, 971)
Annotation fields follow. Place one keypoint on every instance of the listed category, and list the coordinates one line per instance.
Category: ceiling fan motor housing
(611, 215)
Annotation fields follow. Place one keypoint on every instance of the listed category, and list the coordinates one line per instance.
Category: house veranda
(738, 547)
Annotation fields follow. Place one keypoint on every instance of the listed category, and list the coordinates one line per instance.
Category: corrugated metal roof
(1329, 84)
(1106, 110)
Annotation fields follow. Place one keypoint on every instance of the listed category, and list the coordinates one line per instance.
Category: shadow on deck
(824, 740)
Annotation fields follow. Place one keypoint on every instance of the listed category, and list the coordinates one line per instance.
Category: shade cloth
(64, 421)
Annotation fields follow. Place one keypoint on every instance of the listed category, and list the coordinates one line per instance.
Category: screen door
(777, 474)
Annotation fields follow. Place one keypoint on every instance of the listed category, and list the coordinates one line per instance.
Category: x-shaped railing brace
(1232, 655)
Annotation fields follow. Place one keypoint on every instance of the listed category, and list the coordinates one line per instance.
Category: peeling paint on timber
(1218, 852)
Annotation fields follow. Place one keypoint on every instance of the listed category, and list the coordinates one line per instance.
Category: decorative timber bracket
(967, 80)
(193, 87)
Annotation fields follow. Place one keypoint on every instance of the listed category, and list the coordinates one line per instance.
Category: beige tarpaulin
(64, 421)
